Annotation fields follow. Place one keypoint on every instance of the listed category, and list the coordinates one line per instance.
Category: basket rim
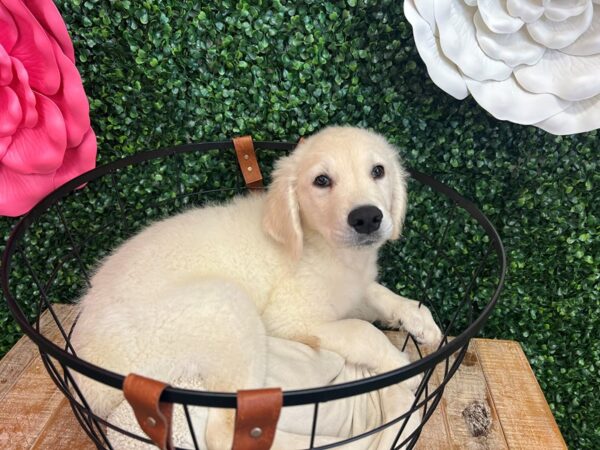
(229, 399)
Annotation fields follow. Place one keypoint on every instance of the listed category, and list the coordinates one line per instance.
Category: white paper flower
(533, 62)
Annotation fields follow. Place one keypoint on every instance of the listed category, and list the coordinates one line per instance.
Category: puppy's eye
(378, 172)
(322, 181)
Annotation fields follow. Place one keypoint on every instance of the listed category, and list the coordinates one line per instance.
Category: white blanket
(293, 365)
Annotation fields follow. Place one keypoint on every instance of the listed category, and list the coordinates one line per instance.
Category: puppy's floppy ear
(281, 216)
(399, 198)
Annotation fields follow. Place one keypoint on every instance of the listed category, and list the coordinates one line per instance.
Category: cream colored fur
(198, 293)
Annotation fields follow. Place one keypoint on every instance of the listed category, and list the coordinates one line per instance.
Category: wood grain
(35, 415)
(524, 415)
(62, 431)
(466, 388)
(447, 428)
(32, 397)
(25, 351)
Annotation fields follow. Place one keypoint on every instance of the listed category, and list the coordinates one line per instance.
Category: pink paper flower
(45, 133)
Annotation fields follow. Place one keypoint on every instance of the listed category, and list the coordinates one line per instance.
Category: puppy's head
(343, 183)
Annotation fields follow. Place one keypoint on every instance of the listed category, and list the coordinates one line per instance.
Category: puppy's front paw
(419, 322)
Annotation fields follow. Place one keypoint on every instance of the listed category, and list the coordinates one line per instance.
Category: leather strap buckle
(244, 149)
(256, 418)
(154, 417)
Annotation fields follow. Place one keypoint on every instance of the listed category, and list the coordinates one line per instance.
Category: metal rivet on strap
(249, 169)
(246, 157)
(151, 422)
(256, 432)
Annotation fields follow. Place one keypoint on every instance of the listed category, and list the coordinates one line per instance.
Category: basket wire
(176, 194)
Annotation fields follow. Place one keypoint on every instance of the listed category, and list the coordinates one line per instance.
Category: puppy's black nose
(365, 219)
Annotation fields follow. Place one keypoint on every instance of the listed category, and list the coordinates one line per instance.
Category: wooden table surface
(494, 375)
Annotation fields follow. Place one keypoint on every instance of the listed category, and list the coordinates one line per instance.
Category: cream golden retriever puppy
(197, 293)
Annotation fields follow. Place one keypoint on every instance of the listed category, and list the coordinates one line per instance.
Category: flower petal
(589, 42)
(559, 10)
(442, 71)
(578, 118)
(526, 10)
(71, 99)
(77, 160)
(506, 100)
(26, 96)
(425, 9)
(19, 193)
(569, 77)
(49, 17)
(34, 50)
(40, 149)
(560, 34)
(10, 111)
(4, 143)
(10, 32)
(5, 67)
(496, 16)
(514, 49)
(459, 43)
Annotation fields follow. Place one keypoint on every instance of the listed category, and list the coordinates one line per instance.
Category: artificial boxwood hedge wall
(164, 72)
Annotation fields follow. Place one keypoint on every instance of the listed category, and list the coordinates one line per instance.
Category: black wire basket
(453, 261)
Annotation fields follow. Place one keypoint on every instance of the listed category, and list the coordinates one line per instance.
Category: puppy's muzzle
(365, 219)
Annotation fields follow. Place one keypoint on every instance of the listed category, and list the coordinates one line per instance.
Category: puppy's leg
(394, 309)
(359, 342)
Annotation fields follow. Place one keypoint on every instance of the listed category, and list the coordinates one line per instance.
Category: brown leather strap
(155, 418)
(244, 149)
(256, 418)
